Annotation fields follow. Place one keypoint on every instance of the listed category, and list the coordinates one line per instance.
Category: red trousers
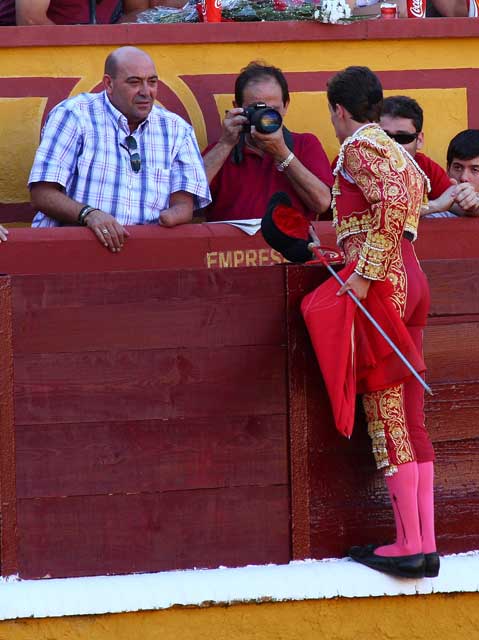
(396, 415)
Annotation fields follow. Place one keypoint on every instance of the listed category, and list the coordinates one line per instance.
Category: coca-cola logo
(217, 4)
(417, 8)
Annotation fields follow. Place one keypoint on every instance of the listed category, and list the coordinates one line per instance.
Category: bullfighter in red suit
(377, 198)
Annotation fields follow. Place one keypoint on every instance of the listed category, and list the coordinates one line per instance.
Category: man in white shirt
(115, 158)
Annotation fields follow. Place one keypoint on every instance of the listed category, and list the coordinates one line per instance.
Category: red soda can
(416, 8)
(389, 10)
(213, 11)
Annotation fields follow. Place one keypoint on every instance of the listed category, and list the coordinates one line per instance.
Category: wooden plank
(98, 535)
(59, 290)
(147, 310)
(302, 368)
(152, 325)
(149, 385)
(451, 413)
(449, 280)
(8, 511)
(130, 457)
(452, 352)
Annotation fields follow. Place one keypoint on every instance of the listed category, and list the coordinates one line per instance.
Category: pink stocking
(425, 499)
(403, 492)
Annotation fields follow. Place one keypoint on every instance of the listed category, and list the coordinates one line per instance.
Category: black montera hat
(286, 229)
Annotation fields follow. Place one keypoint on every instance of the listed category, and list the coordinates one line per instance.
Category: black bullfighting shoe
(432, 564)
(413, 566)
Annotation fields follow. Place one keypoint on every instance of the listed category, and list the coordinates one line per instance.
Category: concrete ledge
(297, 581)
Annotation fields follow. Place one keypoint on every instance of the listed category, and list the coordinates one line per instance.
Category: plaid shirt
(83, 149)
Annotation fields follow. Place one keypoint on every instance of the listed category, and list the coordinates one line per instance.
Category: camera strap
(237, 155)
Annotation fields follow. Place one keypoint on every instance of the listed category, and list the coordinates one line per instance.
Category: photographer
(245, 167)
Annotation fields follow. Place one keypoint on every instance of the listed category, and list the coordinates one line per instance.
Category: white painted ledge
(305, 580)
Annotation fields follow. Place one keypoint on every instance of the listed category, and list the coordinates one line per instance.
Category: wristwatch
(281, 166)
(86, 210)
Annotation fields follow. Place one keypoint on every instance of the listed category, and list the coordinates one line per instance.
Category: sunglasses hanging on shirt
(132, 147)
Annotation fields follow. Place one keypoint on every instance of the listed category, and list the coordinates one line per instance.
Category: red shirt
(437, 176)
(242, 191)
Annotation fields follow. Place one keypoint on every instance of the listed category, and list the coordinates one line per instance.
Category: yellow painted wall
(435, 617)
(445, 109)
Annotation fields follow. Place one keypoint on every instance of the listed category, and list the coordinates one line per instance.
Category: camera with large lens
(265, 119)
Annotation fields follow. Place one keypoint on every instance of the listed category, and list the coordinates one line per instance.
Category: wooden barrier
(160, 414)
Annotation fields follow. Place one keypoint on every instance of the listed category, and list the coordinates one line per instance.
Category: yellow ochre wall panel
(436, 617)
(445, 108)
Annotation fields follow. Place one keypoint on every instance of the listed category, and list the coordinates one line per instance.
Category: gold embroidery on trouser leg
(385, 415)
(376, 429)
(392, 408)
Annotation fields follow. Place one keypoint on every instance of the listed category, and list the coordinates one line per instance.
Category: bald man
(112, 159)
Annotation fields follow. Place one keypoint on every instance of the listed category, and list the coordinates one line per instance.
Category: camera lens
(266, 120)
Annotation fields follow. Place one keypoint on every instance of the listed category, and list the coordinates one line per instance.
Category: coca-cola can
(416, 8)
(213, 11)
(389, 10)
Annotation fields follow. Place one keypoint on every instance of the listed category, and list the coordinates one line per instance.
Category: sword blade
(316, 248)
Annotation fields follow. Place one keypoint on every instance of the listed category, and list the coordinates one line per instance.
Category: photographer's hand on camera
(272, 144)
(233, 125)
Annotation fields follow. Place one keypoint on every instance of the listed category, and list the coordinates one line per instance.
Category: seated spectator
(115, 158)
(402, 118)
(3, 233)
(452, 8)
(244, 169)
(463, 167)
(44, 12)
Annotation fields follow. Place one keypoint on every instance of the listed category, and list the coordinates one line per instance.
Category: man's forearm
(47, 198)
(313, 193)
(180, 210)
(215, 159)
(32, 12)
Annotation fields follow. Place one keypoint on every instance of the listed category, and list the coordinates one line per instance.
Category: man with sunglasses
(115, 158)
(402, 119)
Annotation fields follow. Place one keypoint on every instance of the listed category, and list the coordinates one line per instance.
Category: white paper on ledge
(249, 226)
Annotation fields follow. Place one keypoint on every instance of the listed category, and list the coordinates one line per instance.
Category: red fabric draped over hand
(353, 356)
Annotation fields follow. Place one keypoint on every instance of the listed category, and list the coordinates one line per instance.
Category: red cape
(353, 356)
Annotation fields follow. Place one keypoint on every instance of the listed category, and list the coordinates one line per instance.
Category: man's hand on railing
(107, 230)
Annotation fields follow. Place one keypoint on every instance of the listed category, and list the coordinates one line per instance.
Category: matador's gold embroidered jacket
(379, 189)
